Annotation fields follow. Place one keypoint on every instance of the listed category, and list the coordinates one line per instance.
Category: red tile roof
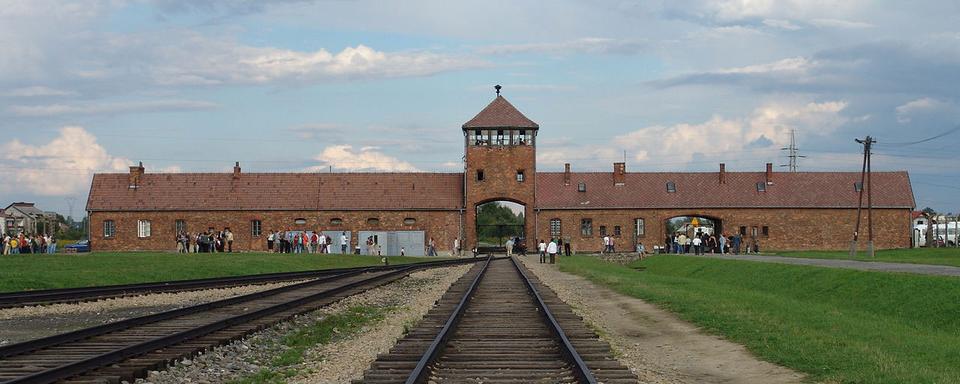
(277, 191)
(703, 190)
(500, 114)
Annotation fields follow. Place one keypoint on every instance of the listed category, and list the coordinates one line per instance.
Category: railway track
(75, 295)
(128, 349)
(498, 324)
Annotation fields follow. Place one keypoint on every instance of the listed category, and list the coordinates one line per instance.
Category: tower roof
(500, 114)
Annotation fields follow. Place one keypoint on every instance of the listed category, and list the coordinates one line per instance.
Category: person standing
(270, 239)
(566, 246)
(737, 239)
(433, 247)
(723, 243)
(542, 250)
(697, 245)
(509, 246)
(343, 242)
(456, 246)
(229, 235)
(552, 251)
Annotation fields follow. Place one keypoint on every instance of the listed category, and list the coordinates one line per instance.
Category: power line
(949, 132)
(792, 152)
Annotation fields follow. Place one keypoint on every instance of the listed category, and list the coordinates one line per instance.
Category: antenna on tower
(497, 87)
(792, 152)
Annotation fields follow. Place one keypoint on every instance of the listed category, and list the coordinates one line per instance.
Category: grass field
(938, 256)
(836, 325)
(23, 272)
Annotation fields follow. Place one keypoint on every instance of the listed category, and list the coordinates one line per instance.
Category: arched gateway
(500, 153)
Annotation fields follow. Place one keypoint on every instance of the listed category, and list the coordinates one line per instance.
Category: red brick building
(797, 210)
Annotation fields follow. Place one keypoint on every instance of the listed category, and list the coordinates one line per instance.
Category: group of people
(703, 243)
(21, 243)
(307, 242)
(208, 241)
(549, 251)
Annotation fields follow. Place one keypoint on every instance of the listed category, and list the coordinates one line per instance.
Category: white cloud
(197, 60)
(37, 91)
(761, 134)
(789, 65)
(594, 45)
(782, 24)
(840, 24)
(911, 108)
(367, 159)
(62, 166)
(109, 108)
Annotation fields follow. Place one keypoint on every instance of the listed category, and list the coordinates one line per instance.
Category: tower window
(500, 138)
(479, 175)
(520, 176)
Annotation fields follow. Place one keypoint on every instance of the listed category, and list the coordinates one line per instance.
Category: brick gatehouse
(783, 210)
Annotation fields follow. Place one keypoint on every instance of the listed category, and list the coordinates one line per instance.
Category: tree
(929, 211)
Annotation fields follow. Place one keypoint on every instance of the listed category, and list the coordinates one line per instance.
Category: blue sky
(303, 85)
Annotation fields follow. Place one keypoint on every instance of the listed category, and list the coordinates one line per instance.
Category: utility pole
(792, 152)
(864, 176)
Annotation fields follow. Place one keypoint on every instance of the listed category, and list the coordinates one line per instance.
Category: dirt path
(877, 266)
(656, 344)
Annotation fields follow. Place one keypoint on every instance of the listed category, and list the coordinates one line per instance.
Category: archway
(692, 225)
(498, 222)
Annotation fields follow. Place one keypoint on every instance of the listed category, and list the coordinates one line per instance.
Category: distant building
(779, 211)
(27, 218)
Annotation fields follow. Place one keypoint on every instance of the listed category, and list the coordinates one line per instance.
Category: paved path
(879, 266)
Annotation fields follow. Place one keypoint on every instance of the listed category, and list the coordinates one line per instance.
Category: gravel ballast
(27, 323)
(407, 301)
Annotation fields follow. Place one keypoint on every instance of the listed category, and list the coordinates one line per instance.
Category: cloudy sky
(302, 85)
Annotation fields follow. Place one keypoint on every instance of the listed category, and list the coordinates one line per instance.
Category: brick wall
(789, 229)
(443, 226)
(500, 166)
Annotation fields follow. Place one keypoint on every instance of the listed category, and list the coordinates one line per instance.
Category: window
(479, 175)
(336, 221)
(500, 140)
(554, 227)
(586, 227)
(180, 226)
(753, 231)
(109, 229)
(616, 230)
(256, 228)
(603, 230)
(743, 230)
(300, 221)
(858, 186)
(143, 228)
(409, 221)
(671, 187)
(638, 227)
(373, 221)
(761, 187)
(765, 230)
(581, 187)
(520, 176)
(523, 137)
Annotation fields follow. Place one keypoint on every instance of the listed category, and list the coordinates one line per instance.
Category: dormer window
(858, 186)
(671, 187)
(761, 187)
(581, 187)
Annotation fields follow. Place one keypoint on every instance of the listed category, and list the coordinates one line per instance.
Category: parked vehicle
(944, 234)
(80, 246)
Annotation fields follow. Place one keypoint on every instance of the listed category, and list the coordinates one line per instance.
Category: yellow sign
(695, 222)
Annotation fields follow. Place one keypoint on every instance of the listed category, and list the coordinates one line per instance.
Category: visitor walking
(552, 251)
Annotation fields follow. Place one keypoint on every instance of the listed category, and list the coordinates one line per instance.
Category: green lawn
(938, 256)
(23, 272)
(836, 325)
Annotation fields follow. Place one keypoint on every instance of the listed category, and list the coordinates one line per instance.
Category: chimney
(769, 173)
(566, 174)
(136, 172)
(723, 173)
(236, 171)
(619, 173)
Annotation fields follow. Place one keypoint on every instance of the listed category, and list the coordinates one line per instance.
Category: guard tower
(500, 154)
